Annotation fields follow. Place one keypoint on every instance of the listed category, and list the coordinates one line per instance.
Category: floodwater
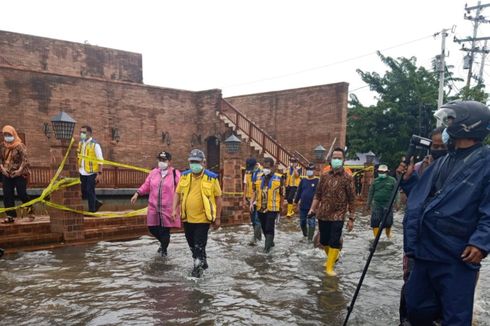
(127, 283)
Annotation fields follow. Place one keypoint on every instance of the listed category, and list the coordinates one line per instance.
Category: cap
(164, 156)
(293, 159)
(250, 163)
(197, 155)
(383, 168)
(311, 166)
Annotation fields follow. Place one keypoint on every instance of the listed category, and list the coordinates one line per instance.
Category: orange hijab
(17, 141)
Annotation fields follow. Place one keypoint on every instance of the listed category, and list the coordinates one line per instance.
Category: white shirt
(98, 154)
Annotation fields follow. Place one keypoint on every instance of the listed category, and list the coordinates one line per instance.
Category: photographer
(447, 220)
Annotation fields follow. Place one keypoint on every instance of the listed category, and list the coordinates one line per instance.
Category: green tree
(406, 100)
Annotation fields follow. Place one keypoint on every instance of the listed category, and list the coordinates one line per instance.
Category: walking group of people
(446, 223)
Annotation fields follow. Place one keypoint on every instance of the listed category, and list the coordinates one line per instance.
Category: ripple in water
(116, 283)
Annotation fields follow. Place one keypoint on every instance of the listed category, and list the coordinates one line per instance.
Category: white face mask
(163, 165)
(9, 139)
(310, 173)
(266, 171)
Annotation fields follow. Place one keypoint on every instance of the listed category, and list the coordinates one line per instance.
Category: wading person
(334, 197)
(268, 195)
(304, 196)
(252, 173)
(15, 170)
(90, 170)
(293, 178)
(160, 185)
(447, 221)
(379, 199)
(199, 195)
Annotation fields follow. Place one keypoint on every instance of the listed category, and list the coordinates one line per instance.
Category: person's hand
(350, 225)
(134, 198)
(472, 255)
(4, 172)
(174, 214)
(14, 174)
(245, 204)
(217, 223)
(98, 178)
(407, 169)
(311, 212)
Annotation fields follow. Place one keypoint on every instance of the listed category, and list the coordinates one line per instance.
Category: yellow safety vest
(89, 151)
(207, 192)
(251, 178)
(291, 180)
(270, 192)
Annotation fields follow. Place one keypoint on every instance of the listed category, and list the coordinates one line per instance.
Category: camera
(417, 143)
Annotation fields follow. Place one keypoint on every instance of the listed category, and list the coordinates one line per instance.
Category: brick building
(104, 88)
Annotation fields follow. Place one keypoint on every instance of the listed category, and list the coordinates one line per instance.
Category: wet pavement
(127, 283)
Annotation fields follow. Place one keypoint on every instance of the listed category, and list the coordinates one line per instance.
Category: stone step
(29, 239)
(116, 232)
(16, 228)
(97, 222)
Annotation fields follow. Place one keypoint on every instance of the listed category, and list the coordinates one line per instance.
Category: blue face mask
(310, 173)
(445, 137)
(337, 163)
(195, 167)
(382, 175)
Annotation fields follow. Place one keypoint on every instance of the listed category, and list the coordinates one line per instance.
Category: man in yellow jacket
(268, 196)
(90, 170)
(293, 178)
(199, 196)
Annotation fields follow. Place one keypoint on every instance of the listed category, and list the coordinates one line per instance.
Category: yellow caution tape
(56, 184)
(121, 165)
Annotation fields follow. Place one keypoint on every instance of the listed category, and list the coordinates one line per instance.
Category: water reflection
(115, 283)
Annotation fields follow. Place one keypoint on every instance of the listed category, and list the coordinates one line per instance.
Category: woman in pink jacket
(160, 186)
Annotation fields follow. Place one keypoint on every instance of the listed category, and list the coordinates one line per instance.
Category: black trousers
(196, 235)
(9, 186)
(268, 222)
(88, 190)
(162, 234)
(290, 194)
(331, 233)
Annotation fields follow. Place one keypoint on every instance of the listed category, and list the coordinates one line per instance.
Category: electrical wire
(330, 64)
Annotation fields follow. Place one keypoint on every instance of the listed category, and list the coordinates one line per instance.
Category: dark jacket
(439, 225)
(306, 192)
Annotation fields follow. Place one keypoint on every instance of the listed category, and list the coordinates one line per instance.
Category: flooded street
(127, 283)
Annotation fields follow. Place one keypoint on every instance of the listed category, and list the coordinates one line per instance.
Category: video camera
(417, 143)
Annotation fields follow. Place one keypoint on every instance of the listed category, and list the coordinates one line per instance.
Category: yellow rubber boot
(388, 232)
(290, 210)
(375, 231)
(327, 248)
(332, 255)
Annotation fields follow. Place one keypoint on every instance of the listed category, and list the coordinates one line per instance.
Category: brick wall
(299, 118)
(139, 112)
(68, 58)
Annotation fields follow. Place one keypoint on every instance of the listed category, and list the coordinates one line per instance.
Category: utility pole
(482, 65)
(473, 42)
(477, 19)
(442, 67)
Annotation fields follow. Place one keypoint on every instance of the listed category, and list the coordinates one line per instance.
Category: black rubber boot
(1, 252)
(258, 232)
(303, 229)
(269, 240)
(311, 233)
(164, 245)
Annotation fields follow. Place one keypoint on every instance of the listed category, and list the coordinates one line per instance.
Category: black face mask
(436, 153)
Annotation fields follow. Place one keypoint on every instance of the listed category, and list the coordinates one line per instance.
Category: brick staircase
(256, 137)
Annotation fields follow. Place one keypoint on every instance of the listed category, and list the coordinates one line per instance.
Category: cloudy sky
(254, 46)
